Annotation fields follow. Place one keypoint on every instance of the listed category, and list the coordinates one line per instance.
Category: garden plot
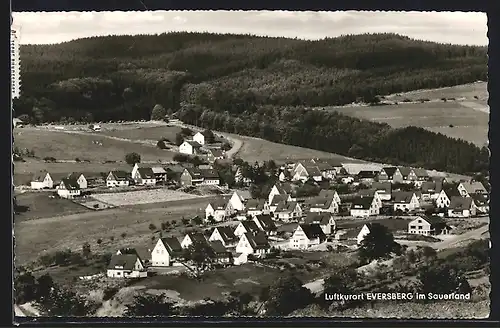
(143, 197)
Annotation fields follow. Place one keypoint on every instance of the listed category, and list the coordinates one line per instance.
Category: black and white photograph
(257, 164)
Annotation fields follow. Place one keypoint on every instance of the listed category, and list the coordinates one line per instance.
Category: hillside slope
(123, 77)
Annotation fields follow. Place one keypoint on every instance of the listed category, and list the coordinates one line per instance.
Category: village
(311, 205)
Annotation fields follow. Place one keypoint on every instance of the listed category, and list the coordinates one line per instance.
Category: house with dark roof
(215, 155)
(203, 137)
(42, 180)
(277, 200)
(118, 179)
(307, 235)
(210, 177)
(428, 226)
(283, 189)
(366, 177)
(68, 188)
(190, 147)
(364, 207)
(304, 171)
(328, 193)
(144, 176)
(255, 207)
(322, 204)
(126, 266)
(255, 244)
(222, 255)
(443, 200)
(328, 169)
(408, 174)
(422, 175)
(405, 201)
(79, 178)
(430, 189)
(193, 238)
(246, 226)
(461, 207)
(265, 223)
(482, 203)
(287, 211)
(217, 209)
(166, 252)
(325, 221)
(144, 253)
(225, 235)
(390, 174)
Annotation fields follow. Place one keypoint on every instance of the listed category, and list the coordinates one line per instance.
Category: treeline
(337, 133)
(123, 77)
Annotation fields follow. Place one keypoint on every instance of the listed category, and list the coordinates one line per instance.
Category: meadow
(467, 91)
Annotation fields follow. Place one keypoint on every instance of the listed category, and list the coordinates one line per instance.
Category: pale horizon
(459, 28)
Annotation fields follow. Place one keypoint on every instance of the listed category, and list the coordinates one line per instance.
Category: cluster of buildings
(203, 145)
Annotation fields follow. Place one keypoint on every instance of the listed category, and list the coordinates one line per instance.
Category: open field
(23, 171)
(467, 91)
(468, 124)
(143, 197)
(34, 237)
(141, 131)
(39, 205)
(69, 145)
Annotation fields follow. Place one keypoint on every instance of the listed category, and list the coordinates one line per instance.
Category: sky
(444, 27)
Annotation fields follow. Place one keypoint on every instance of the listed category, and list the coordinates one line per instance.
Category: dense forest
(247, 78)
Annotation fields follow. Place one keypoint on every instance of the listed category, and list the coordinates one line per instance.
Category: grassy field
(467, 91)
(34, 237)
(68, 146)
(23, 171)
(468, 124)
(140, 132)
(255, 149)
(39, 205)
(143, 197)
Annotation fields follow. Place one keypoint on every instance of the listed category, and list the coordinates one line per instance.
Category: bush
(109, 293)
(132, 158)
(49, 159)
(152, 227)
(99, 241)
(161, 144)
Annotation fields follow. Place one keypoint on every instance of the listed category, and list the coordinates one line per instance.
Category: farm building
(428, 226)
(166, 252)
(42, 180)
(68, 188)
(307, 235)
(126, 266)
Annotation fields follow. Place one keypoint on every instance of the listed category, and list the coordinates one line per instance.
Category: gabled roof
(284, 188)
(277, 199)
(403, 197)
(250, 226)
(312, 169)
(451, 190)
(405, 171)
(321, 218)
(367, 174)
(460, 203)
(216, 152)
(218, 247)
(320, 202)
(219, 203)
(193, 143)
(362, 203)
(209, 174)
(227, 234)
(174, 168)
(327, 193)
(197, 238)
(146, 172)
(384, 187)
(203, 133)
(40, 176)
(142, 252)
(430, 186)
(284, 206)
(367, 192)
(123, 262)
(75, 175)
(258, 241)
(158, 170)
(70, 184)
(479, 199)
(266, 222)
(389, 170)
(421, 173)
(255, 204)
(312, 231)
(172, 245)
(473, 187)
(120, 175)
(244, 194)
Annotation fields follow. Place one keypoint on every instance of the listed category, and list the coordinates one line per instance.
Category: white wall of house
(299, 240)
(218, 215)
(160, 256)
(240, 230)
(244, 246)
(216, 236)
(461, 214)
(82, 182)
(186, 242)
(442, 200)
(65, 193)
(119, 273)
(117, 183)
(211, 182)
(236, 203)
(362, 234)
(274, 191)
(360, 213)
(199, 138)
(186, 148)
(419, 226)
(46, 183)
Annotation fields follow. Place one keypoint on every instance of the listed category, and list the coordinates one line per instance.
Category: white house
(265, 223)
(217, 210)
(430, 190)
(364, 207)
(225, 235)
(255, 207)
(246, 227)
(80, 179)
(365, 230)
(193, 238)
(462, 207)
(201, 138)
(466, 189)
(442, 200)
(405, 201)
(330, 194)
(68, 188)
(257, 244)
(117, 179)
(277, 200)
(189, 147)
(42, 180)
(237, 202)
(287, 211)
(284, 189)
(428, 226)
(166, 252)
(323, 204)
(126, 266)
(383, 190)
(144, 176)
(324, 220)
(307, 235)
(305, 171)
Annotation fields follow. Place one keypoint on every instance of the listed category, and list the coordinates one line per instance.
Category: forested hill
(123, 77)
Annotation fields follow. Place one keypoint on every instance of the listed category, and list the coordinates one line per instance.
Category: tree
(24, 287)
(86, 250)
(439, 278)
(179, 139)
(152, 227)
(158, 113)
(132, 158)
(197, 220)
(44, 285)
(145, 305)
(65, 303)
(343, 281)
(161, 144)
(286, 296)
(378, 244)
(201, 256)
(209, 136)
